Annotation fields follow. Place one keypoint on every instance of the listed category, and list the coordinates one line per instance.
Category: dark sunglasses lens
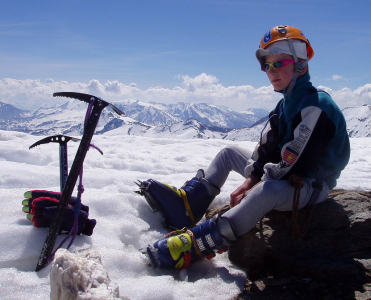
(266, 67)
(278, 64)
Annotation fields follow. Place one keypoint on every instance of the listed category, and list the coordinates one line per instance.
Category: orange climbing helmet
(289, 40)
(284, 32)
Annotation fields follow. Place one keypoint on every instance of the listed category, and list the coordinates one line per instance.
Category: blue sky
(159, 43)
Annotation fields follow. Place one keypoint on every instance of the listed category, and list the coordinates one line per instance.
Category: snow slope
(125, 223)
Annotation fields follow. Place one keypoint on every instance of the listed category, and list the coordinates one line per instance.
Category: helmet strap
(299, 66)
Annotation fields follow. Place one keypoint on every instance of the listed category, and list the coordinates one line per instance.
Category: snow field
(125, 223)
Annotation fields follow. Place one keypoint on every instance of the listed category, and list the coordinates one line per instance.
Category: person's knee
(272, 194)
(277, 194)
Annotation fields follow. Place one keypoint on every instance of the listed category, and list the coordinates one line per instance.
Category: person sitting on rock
(305, 137)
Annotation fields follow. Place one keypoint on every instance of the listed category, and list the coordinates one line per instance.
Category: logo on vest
(289, 156)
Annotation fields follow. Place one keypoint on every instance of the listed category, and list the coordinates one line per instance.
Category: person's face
(280, 78)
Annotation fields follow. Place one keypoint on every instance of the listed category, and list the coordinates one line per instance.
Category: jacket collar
(302, 85)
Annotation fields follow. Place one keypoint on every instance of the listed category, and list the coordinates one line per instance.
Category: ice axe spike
(62, 140)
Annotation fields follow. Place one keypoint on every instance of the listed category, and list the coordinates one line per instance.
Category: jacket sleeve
(311, 131)
(266, 150)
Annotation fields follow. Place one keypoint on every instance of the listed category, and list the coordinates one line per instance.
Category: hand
(242, 191)
(41, 211)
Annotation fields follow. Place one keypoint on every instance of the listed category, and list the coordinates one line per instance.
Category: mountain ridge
(181, 120)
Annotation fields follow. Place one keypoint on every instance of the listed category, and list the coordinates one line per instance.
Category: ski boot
(180, 248)
(182, 207)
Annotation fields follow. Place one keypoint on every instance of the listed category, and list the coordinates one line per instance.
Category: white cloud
(206, 88)
(347, 97)
(337, 77)
(202, 81)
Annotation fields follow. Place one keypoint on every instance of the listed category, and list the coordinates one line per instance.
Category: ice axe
(95, 108)
(62, 140)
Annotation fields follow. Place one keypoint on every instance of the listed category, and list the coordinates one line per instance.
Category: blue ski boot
(182, 207)
(180, 248)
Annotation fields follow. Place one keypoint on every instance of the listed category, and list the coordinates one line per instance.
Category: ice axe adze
(96, 106)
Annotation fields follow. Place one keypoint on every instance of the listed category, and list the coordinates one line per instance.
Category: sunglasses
(278, 64)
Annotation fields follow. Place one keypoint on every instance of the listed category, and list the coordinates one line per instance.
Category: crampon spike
(138, 183)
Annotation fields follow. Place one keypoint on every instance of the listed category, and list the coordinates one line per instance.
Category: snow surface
(125, 223)
(358, 120)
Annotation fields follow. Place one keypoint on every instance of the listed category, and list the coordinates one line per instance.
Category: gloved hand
(41, 211)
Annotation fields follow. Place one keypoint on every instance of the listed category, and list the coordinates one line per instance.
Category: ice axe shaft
(63, 165)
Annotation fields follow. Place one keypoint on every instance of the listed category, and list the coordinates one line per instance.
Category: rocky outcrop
(335, 249)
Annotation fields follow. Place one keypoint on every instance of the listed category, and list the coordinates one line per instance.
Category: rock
(80, 276)
(336, 248)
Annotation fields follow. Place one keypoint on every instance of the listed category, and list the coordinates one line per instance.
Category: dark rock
(335, 249)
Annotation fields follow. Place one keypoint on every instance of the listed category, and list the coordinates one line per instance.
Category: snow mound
(80, 276)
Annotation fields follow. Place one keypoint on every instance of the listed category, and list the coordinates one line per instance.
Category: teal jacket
(306, 133)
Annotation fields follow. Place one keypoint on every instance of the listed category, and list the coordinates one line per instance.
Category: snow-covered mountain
(148, 113)
(147, 119)
(158, 120)
(162, 114)
(64, 119)
(245, 134)
(9, 112)
(68, 119)
(358, 120)
(189, 129)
